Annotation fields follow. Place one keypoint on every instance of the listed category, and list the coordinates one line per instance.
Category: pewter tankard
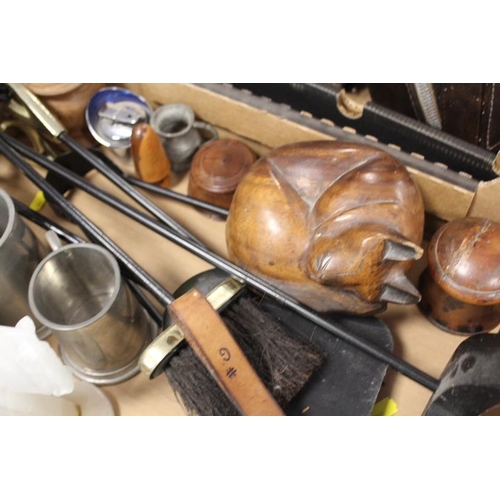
(20, 253)
(77, 291)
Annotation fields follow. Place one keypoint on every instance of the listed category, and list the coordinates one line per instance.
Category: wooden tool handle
(209, 338)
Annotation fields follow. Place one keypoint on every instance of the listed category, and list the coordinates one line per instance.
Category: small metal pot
(179, 132)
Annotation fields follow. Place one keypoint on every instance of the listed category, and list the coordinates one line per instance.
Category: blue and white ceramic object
(112, 113)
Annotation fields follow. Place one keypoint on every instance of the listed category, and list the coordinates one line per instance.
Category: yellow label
(38, 201)
(385, 408)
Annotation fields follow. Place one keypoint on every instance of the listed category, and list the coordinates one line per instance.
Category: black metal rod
(67, 175)
(119, 181)
(91, 230)
(168, 193)
(146, 303)
(258, 283)
(44, 222)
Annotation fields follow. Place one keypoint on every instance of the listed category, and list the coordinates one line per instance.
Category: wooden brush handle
(214, 345)
(150, 160)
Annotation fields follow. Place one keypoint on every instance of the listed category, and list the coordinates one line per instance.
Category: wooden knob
(461, 286)
(150, 160)
(334, 224)
(216, 170)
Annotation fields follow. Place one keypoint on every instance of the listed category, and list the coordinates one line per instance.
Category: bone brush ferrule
(44, 116)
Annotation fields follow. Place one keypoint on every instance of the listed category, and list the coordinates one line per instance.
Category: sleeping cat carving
(336, 225)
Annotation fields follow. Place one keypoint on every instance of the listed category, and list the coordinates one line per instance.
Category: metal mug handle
(208, 128)
(53, 240)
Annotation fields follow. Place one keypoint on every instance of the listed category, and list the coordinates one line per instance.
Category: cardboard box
(266, 125)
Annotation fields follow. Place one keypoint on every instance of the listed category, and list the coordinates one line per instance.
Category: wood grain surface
(332, 210)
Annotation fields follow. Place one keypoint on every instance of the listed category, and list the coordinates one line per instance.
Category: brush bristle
(193, 385)
(283, 361)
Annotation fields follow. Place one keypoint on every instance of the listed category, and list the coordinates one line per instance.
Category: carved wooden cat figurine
(336, 225)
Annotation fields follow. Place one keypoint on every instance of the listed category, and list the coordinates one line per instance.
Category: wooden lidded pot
(216, 170)
(461, 286)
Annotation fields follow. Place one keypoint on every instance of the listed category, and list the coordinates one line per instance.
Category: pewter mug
(20, 253)
(178, 130)
(77, 291)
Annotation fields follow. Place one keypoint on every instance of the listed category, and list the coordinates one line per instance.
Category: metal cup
(178, 130)
(77, 291)
(20, 253)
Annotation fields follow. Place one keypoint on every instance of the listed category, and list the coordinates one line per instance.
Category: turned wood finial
(150, 160)
(461, 286)
(336, 225)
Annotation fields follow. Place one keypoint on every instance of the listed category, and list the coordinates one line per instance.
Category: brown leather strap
(208, 336)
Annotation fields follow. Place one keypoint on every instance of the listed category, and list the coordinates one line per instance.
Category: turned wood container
(217, 169)
(461, 286)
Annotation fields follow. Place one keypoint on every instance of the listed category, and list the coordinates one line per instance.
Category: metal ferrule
(156, 356)
(46, 118)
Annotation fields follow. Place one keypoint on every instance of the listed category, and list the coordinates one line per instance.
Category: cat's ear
(400, 250)
(397, 288)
